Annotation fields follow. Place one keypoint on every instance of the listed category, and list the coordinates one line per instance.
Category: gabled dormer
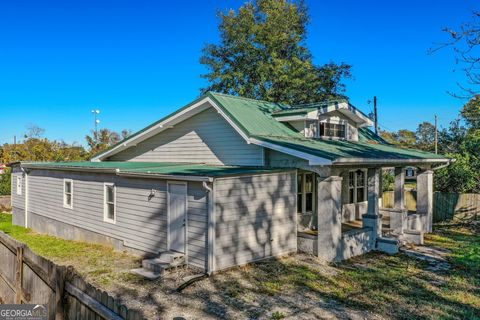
(329, 120)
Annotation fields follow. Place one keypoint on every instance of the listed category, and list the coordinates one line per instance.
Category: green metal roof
(152, 168)
(337, 149)
(255, 118)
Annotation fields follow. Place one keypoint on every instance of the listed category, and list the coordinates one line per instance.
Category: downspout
(444, 165)
(210, 226)
(26, 195)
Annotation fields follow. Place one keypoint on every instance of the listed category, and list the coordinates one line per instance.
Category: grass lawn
(372, 286)
(97, 262)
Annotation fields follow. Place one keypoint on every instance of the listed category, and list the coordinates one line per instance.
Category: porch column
(399, 193)
(373, 218)
(425, 199)
(329, 212)
(399, 213)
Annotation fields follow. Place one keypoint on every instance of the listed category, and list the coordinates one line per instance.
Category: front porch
(349, 219)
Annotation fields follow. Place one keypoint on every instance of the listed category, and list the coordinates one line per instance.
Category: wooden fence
(5, 203)
(463, 206)
(26, 277)
(410, 200)
(446, 206)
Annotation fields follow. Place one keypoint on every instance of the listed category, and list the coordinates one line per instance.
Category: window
(300, 193)
(68, 193)
(332, 130)
(356, 186)
(305, 187)
(19, 186)
(410, 172)
(109, 204)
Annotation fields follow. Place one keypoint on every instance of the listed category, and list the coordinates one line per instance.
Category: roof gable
(256, 121)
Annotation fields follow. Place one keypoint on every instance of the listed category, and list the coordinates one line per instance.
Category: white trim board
(184, 183)
(176, 118)
(194, 109)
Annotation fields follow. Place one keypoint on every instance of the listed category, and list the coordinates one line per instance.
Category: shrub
(5, 183)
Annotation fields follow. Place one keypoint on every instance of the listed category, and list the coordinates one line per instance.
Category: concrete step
(155, 267)
(150, 275)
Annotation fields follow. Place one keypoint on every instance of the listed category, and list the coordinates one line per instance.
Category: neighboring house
(410, 173)
(3, 168)
(227, 180)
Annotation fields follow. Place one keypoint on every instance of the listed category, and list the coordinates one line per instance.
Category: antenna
(375, 114)
(96, 122)
(436, 134)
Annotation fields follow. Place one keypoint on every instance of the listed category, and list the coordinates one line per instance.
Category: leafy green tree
(425, 136)
(37, 148)
(104, 139)
(406, 138)
(450, 139)
(402, 138)
(471, 112)
(5, 183)
(263, 55)
(461, 176)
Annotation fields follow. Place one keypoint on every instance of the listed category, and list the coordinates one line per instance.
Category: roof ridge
(245, 98)
(312, 104)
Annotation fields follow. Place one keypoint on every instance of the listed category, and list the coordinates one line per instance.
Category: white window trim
(365, 186)
(19, 185)
(329, 121)
(339, 122)
(105, 207)
(304, 193)
(65, 205)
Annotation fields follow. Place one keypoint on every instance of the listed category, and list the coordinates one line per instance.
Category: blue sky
(137, 61)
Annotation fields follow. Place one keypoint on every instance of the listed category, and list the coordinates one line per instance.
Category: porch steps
(156, 267)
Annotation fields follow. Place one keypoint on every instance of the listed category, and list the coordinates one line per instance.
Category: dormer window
(332, 130)
(321, 129)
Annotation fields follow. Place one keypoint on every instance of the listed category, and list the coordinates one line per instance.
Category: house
(410, 173)
(227, 180)
(3, 168)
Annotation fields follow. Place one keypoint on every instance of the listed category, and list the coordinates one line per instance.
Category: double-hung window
(305, 198)
(68, 193)
(18, 186)
(332, 130)
(109, 202)
(356, 186)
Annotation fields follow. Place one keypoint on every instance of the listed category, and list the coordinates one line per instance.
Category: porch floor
(358, 224)
(354, 225)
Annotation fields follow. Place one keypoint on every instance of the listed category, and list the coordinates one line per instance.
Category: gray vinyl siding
(204, 138)
(141, 221)
(197, 218)
(255, 218)
(18, 201)
(280, 159)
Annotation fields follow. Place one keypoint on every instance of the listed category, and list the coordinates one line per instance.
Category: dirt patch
(239, 293)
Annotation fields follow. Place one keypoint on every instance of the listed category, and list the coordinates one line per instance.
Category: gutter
(164, 176)
(450, 161)
(210, 228)
(120, 173)
(63, 168)
(26, 195)
(350, 161)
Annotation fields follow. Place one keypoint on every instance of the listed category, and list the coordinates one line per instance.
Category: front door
(177, 211)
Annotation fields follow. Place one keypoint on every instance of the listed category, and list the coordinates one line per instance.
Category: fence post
(19, 275)
(59, 292)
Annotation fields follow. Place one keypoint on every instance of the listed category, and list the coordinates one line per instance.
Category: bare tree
(465, 41)
(34, 131)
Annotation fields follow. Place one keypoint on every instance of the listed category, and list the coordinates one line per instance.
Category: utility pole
(375, 114)
(14, 148)
(436, 134)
